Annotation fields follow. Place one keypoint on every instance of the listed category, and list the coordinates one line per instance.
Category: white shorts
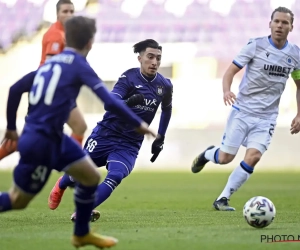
(249, 131)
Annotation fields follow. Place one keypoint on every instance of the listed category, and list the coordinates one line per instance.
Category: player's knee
(252, 156)
(94, 179)
(84, 172)
(225, 158)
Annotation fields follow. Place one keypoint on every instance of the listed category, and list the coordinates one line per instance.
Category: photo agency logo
(276, 238)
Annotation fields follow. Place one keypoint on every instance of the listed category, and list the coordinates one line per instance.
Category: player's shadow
(270, 229)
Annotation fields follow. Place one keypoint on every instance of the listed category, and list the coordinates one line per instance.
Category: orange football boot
(55, 195)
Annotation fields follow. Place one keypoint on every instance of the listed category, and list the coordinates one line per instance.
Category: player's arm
(165, 117)
(295, 126)
(14, 98)
(298, 95)
(227, 80)
(122, 89)
(111, 103)
(166, 112)
(242, 59)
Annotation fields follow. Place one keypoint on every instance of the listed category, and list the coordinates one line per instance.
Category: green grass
(161, 211)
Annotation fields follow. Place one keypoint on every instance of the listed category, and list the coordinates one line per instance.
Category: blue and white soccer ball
(259, 212)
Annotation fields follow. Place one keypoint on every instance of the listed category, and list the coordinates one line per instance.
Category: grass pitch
(161, 211)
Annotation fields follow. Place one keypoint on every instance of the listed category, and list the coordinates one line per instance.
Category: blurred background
(200, 38)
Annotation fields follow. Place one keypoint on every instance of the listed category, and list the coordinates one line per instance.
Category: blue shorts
(39, 155)
(104, 151)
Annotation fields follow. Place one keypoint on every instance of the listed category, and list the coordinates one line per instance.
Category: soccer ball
(259, 212)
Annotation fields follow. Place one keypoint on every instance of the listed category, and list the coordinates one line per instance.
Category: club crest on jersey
(159, 90)
(55, 46)
(289, 60)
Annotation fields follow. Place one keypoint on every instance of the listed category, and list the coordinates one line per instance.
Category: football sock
(84, 200)
(236, 179)
(104, 190)
(5, 203)
(212, 155)
(66, 181)
(78, 138)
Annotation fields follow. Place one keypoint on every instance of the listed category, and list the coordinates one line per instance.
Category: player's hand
(157, 147)
(10, 139)
(295, 126)
(135, 100)
(229, 98)
(144, 130)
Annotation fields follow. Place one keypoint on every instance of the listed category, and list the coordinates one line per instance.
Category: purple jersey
(156, 91)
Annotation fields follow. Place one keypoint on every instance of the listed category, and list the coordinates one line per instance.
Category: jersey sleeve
(89, 77)
(296, 72)
(54, 44)
(245, 55)
(14, 98)
(166, 103)
(122, 87)
(166, 108)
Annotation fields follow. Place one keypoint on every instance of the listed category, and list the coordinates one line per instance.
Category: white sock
(237, 178)
(210, 154)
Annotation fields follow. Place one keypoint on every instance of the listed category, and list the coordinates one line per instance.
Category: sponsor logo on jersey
(276, 70)
(148, 106)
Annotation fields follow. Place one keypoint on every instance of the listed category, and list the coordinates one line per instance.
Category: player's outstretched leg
(27, 183)
(239, 176)
(58, 190)
(215, 155)
(116, 173)
(200, 161)
(84, 200)
(88, 178)
(236, 179)
(15, 199)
